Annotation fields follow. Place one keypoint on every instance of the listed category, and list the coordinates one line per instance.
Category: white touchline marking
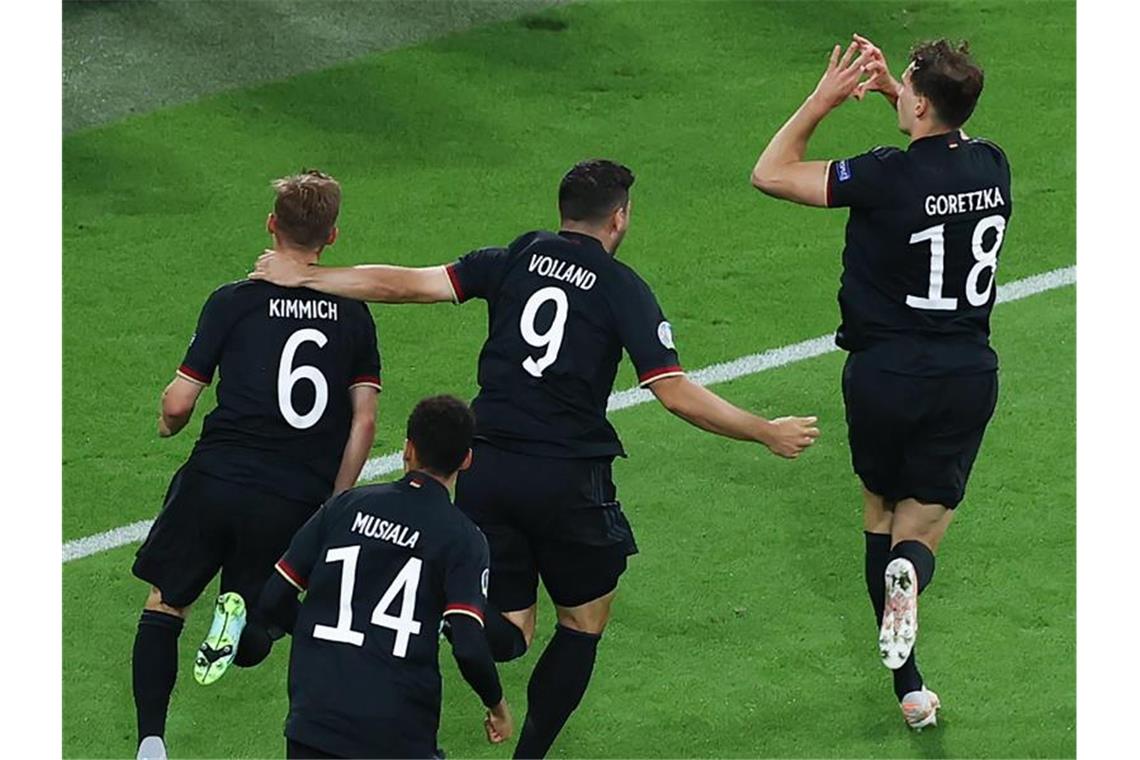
(716, 373)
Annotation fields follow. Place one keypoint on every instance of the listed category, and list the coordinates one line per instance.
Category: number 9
(552, 338)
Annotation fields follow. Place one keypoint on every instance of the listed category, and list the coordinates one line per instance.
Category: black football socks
(556, 687)
(907, 678)
(504, 637)
(155, 668)
(875, 560)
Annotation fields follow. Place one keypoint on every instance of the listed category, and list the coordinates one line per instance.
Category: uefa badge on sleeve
(665, 335)
(843, 171)
(484, 581)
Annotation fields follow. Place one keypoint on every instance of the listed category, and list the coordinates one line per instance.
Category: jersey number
(986, 259)
(288, 376)
(551, 340)
(405, 625)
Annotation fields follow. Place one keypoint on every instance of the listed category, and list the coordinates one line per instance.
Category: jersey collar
(581, 238)
(421, 481)
(951, 139)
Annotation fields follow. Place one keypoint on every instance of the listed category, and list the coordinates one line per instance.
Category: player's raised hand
(841, 77)
(499, 723)
(878, 72)
(280, 270)
(789, 436)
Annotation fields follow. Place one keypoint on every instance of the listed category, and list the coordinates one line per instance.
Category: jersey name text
(557, 269)
(373, 527)
(962, 203)
(295, 308)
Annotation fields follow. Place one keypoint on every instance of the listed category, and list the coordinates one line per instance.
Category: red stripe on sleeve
(827, 186)
(655, 373)
(194, 374)
(468, 608)
(292, 574)
(361, 379)
(451, 275)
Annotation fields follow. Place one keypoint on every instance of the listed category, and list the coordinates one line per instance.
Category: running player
(384, 565)
(562, 308)
(920, 384)
(299, 374)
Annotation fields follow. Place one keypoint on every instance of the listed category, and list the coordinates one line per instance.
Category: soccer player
(561, 309)
(920, 383)
(383, 566)
(299, 374)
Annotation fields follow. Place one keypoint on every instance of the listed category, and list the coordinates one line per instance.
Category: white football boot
(900, 613)
(920, 708)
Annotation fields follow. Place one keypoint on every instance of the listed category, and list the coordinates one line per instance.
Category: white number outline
(288, 376)
(552, 338)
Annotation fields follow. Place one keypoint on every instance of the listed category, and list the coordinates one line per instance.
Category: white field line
(716, 373)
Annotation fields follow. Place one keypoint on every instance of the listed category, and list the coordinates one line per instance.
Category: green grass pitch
(742, 629)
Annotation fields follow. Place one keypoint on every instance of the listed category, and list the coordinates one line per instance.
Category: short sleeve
(303, 552)
(863, 181)
(205, 349)
(466, 578)
(477, 274)
(366, 361)
(646, 333)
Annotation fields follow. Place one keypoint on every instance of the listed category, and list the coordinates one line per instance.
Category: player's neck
(448, 483)
(304, 255)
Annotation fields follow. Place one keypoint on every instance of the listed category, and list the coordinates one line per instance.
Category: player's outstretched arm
(178, 402)
(780, 170)
(361, 435)
(379, 283)
(697, 405)
(473, 656)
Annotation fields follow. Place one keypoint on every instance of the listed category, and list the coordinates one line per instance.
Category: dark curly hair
(946, 75)
(593, 189)
(441, 429)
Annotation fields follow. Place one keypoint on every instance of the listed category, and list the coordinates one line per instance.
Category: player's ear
(466, 463)
(271, 224)
(332, 236)
(409, 456)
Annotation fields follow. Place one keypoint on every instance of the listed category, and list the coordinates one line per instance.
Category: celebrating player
(364, 682)
(299, 378)
(561, 309)
(920, 384)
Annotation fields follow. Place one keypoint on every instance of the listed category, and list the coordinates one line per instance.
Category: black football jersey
(560, 310)
(382, 566)
(286, 359)
(925, 230)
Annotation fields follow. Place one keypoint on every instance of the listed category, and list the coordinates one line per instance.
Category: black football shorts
(206, 525)
(915, 437)
(558, 519)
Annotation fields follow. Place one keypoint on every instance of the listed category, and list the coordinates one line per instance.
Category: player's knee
(154, 603)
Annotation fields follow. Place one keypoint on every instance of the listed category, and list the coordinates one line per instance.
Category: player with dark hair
(920, 384)
(383, 565)
(561, 309)
(295, 418)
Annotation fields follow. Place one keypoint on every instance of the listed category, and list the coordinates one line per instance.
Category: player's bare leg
(562, 674)
(155, 668)
(917, 530)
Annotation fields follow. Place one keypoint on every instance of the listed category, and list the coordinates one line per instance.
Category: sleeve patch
(665, 335)
(843, 171)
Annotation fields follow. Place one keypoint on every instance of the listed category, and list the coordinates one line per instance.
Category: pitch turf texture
(742, 628)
